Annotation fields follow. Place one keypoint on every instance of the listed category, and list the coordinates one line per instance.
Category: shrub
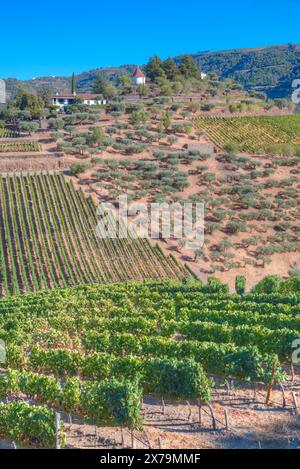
(249, 364)
(174, 378)
(56, 123)
(294, 272)
(292, 285)
(214, 285)
(78, 168)
(28, 126)
(231, 148)
(240, 284)
(118, 401)
(269, 284)
(234, 226)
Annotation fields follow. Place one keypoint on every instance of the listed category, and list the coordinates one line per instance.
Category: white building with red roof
(138, 77)
(68, 99)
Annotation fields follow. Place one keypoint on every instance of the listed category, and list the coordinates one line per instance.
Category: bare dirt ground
(280, 263)
(251, 424)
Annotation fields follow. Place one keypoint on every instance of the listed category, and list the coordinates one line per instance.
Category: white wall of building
(139, 80)
(68, 102)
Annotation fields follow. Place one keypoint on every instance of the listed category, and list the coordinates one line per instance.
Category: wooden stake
(148, 439)
(292, 373)
(190, 411)
(133, 445)
(163, 406)
(270, 386)
(214, 423)
(226, 419)
(269, 392)
(122, 437)
(254, 392)
(295, 402)
(57, 426)
(283, 395)
(160, 444)
(200, 414)
(227, 386)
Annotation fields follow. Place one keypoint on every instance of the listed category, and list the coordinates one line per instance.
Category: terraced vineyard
(6, 133)
(48, 239)
(251, 134)
(13, 146)
(94, 350)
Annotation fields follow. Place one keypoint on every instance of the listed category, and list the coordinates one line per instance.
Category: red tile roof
(138, 73)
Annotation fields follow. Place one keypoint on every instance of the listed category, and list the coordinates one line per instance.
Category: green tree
(143, 90)
(188, 67)
(28, 126)
(166, 121)
(104, 88)
(170, 69)
(73, 83)
(29, 102)
(97, 135)
(154, 69)
(124, 81)
(240, 284)
(78, 168)
(269, 284)
(99, 85)
(138, 118)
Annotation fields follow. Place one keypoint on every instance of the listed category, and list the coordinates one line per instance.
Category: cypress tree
(74, 83)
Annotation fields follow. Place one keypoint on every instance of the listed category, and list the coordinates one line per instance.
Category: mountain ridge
(269, 68)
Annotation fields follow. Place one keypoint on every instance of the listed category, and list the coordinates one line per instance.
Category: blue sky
(55, 38)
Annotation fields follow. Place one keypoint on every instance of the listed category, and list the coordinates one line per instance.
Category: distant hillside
(60, 84)
(269, 69)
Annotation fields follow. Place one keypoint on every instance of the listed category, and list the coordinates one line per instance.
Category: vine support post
(227, 386)
(283, 395)
(200, 414)
(57, 426)
(270, 386)
(226, 414)
(214, 422)
(295, 402)
(292, 372)
(148, 439)
(163, 406)
(190, 411)
(254, 392)
(133, 445)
